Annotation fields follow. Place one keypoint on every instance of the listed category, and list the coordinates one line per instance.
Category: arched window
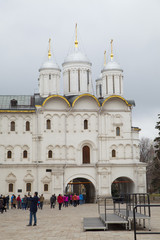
(25, 154)
(10, 187)
(50, 154)
(113, 153)
(9, 154)
(28, 187)
(86, 154)
(117, 131)
(45, 187)
(12, 127)
(48, 124)
(78, 80)
(27, 126)
(85, 124)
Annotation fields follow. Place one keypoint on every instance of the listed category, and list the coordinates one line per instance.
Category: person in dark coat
(33, 209)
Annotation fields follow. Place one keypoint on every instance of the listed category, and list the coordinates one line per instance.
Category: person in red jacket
(18, 202)
(60, 201)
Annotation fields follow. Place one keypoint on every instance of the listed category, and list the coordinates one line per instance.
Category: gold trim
(83, 95)
(116, 96)
(76, 41)
(111, 49)
(49, 50)
(17, 110)
(136, 129)
(54, 96)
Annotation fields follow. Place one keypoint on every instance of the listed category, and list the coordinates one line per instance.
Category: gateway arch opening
(82, 186)
(121, 186)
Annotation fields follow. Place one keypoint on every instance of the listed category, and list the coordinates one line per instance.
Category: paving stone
(66, 224)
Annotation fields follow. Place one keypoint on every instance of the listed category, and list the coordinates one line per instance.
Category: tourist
(14, 201)
(53, 201)
(33, 209)
(25, 202)
(7, 202)
(74, 198)
(60, 201)
(81, 198)
(41, 201)
(66, 201)
(19, 202)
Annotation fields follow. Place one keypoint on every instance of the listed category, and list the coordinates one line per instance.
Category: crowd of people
(24, 202)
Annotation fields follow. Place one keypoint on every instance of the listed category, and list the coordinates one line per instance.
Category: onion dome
(50, 63)
(76, 56)
(112, 65)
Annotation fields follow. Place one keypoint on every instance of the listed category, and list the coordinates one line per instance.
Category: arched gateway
(83, 186)
(122, 185)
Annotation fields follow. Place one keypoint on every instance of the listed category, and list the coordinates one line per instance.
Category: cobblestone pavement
(66, 224)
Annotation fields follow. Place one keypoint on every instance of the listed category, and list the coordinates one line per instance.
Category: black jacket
(33, 206)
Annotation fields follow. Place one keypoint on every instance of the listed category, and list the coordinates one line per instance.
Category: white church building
(75, 142)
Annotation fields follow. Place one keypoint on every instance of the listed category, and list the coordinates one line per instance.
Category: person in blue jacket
(33, 209)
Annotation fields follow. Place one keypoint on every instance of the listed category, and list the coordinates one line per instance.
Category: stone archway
(83, 186)
(121, 186)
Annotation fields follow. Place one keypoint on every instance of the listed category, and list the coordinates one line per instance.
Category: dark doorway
(122, 185)
(82, 186)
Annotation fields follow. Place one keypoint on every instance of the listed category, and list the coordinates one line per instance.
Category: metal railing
(134, 219)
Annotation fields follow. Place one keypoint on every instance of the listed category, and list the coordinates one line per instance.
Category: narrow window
(48, 124)
(106, 85)
(12, 126)
(49, 76)
(117, 131)
(9, 154)
(85, 124)
(10, 187)
(87, 80)
(25, 154)
(113, 84)
(86, 155)
(50, 154)
(78, 80)
(27, 126)
(113, 153)
(45, 187)
(69, 81)
(120, 84)
(100, 90)
(28, 187)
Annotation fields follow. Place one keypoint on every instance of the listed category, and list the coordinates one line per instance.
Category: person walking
(53, 201)
(41, 201)
(81, 199)
(75, 200)
(14, 201)
(18, 202)
(33, 209)
(60, 201)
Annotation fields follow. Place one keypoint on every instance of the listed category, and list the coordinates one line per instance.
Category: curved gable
(86, 101)
(56, 102)
(115, 103)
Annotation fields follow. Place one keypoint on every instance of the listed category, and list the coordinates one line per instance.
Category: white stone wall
(66, 139)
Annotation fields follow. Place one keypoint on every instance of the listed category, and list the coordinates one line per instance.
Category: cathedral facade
(75, 142)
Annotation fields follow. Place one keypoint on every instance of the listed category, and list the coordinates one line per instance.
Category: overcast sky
(26, 25)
